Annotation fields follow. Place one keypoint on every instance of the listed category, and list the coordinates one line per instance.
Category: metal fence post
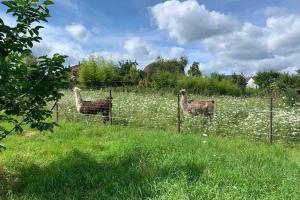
(110, 109)
(178, 114)
(271, 121)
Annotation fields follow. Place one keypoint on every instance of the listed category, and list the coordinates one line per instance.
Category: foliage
(239, 80)
(265, 79)
(125, 67)
(97, 72)
(134, 74)
(164, 79)
(27, 84)
(291, 97)
(208, 86)
(163, 73)
(128, 71)
(101, 162)
(194, 70)
(175, 66)
(218, 76)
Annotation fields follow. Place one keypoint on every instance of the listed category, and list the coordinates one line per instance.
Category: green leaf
(48, 2)
(8, 3)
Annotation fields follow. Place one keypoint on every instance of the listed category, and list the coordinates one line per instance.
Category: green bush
(164, 80)
(291, 97)
(208, 86)
(97, 72)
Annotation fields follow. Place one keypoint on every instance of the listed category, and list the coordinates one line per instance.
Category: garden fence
(271, 121)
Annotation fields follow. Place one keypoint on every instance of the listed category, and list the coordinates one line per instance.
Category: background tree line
(170, 74)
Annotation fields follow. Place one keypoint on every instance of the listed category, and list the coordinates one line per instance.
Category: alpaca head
(76, 89)
(183, 92)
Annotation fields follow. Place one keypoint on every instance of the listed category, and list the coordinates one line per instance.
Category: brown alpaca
(197, 106)
(93, 107)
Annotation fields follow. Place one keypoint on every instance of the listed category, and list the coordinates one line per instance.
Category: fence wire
(160, 111)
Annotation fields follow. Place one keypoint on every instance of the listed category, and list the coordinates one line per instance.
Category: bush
(163, 80)
(97, 72)
(291, 97)
(208, 86)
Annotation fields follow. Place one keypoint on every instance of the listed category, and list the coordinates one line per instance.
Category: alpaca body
(93, 107)
(196, 107)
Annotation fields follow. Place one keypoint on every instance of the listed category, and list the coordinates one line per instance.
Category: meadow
(248, 116)
(143, 157)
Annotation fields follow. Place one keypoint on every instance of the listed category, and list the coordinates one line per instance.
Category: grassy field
(233, 116)
(98, 162)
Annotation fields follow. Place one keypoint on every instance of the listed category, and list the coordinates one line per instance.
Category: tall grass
(233, 115)
(92, 162)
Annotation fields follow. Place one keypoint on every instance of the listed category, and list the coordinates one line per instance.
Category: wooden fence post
(271, 121)
(178, 113)
(110, 109)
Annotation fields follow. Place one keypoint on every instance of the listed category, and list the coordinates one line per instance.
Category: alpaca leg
(105, 116)
(86, 119)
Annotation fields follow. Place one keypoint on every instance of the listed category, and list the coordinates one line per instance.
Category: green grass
(98, 162)
(233, 115)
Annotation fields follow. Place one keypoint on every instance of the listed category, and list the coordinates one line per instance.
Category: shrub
(208, 86)
(163, 80)
(291, 97)
(97, 72)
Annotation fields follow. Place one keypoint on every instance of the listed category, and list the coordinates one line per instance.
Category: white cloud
(273, 47)
(135, 48)
(175, 52)
(188, 21)
(138, 49)
(276, 11)
(55, 40)
(234, 46)
(78, 32)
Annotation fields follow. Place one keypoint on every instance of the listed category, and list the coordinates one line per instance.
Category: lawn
(103, 162)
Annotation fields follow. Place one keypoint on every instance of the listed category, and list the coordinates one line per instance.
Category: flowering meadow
(233, 115)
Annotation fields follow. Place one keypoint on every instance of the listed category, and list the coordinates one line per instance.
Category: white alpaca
(197, 106)
(93, 107)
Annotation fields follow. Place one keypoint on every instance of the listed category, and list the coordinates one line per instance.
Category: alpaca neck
(184, 102)
(78, 100)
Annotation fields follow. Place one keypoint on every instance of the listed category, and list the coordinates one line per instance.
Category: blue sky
(223, 35)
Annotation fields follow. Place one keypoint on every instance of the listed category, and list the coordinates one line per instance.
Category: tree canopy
(27, 83)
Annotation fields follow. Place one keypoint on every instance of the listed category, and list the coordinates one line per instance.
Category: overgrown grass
(98, 162)
(233, 115)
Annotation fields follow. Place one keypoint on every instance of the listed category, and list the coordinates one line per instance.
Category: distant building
(251, 83)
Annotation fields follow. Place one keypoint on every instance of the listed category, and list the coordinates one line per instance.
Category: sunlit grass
(102, 162)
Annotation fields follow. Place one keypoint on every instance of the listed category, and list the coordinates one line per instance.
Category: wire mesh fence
(243, 116)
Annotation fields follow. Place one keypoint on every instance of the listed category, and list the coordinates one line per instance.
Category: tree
(27, 87)
(134, 74)
(97, 72)
(297, 77)
(265, 79)
(217, 76)
(125, 67)
(240, 81)
(194, 70)
(175, 66)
